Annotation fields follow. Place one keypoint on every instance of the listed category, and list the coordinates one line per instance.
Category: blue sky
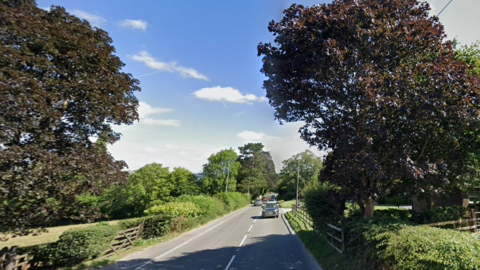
(200, 75)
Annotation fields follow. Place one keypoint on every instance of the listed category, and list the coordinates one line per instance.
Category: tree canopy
(251, 176)
(306, 166)
(60, 85)
(375, 83)
(220, 167)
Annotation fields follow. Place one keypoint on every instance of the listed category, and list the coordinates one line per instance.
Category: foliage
(60, 84)
(148, 185)
(175, 209)
(424, 247)
(251, 175)
(220, 167)
(156, 226)
(375, 83)
(449, 213)
(73, 247)
(233, 200)
(324, 204)
(210, 207)
(269, 171)
(184, 182)
(308, 167)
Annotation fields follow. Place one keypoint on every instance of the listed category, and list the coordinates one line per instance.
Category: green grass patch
(287, 204)
(325, 255)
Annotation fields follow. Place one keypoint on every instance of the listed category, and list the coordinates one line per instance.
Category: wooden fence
(335, 236)
(10, 260)
(123, 240)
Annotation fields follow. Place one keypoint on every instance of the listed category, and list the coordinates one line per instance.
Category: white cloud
(172, 67)
(227, 94)
(248, 135)
(150, 149)
(92, 18)
(161, 122)
(144, 110)
(134, 24)
(171, 146)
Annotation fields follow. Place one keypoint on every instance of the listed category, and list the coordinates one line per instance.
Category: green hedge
(211, 208)
(175, 209)
(73, 247)
(233, 200)
(423, 247)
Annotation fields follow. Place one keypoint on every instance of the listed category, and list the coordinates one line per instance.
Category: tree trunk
(369, 206)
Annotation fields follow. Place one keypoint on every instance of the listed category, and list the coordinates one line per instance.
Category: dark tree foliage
(250, 176)
(376, 84)
(269, 170)
(60, 84)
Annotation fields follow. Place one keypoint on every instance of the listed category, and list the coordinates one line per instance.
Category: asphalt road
(240, 240)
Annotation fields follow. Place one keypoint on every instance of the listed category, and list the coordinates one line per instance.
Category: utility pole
(228, 174)
(298, 174)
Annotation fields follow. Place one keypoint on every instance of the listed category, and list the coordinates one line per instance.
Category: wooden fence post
(344, 246)
(10, 258)
(3, 257)
(474, 221)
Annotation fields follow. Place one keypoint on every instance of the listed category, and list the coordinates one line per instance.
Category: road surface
(240, 240)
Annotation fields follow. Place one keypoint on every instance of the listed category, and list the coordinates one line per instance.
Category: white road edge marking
(161, 255)
(230, 263)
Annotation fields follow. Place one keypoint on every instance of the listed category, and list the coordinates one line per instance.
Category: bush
(156, 226)
(175, 209)
(129, 223)
(233, 200)
(73, 247)
(210, 207)
(423, 247)
(324, 204)
(449, 213)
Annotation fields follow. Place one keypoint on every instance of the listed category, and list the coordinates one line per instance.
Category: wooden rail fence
(335, 236)
(123, 240)
(10, 260)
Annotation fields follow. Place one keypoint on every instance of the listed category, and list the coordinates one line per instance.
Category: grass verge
(325, 255)
(47, 237)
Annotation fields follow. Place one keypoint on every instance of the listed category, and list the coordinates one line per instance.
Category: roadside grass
(287, 204)
(325, 255)
(51, 236)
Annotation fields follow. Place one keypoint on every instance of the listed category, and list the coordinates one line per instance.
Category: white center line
(250, 228)
(230, 263)
(177, 247)
(243, 240)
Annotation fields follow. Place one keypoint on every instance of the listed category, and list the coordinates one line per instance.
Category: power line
(444, 8)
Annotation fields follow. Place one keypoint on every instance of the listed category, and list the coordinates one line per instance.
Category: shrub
(156, 226)
(129, 223)
(324, 204)
(233, 200)
(423, 247)
(449, 213)
(175, 209)
(210, 207)
(73, 247)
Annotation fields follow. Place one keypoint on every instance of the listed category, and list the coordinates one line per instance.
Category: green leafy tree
(184, 182)
(251, 176)
(303, 166)
(269, 170)
(60, 84)
(220, 167)
(375, 83)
